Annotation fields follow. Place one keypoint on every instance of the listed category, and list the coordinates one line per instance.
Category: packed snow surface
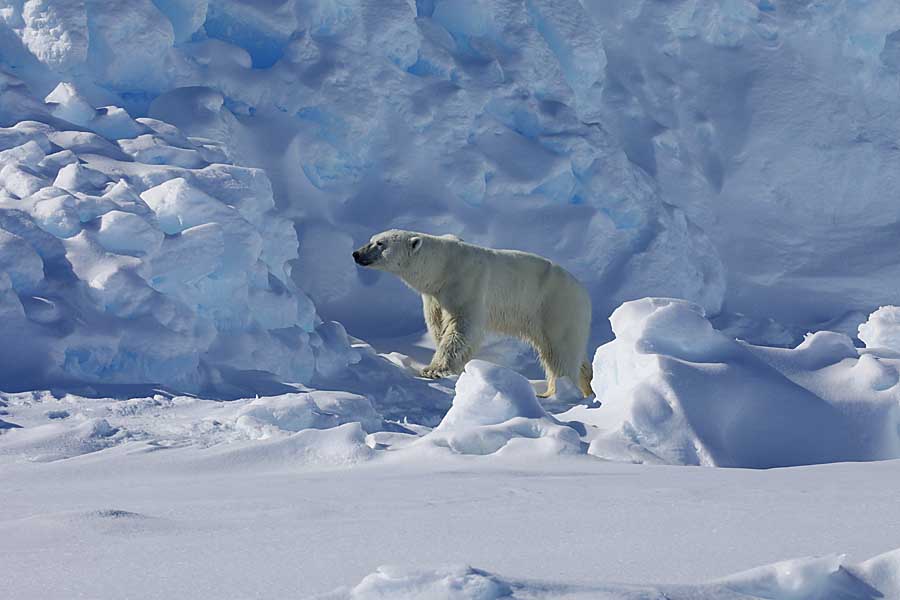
(162, 497)
(182, 183)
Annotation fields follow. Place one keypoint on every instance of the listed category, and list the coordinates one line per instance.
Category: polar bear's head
(389, 251)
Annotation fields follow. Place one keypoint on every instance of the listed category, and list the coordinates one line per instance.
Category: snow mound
(812, 578)
(882, 329)
(58, 441)
(341, 446)
(451, 583)
(129, 255)
(495, 411)
(265, 417)
(675, 390)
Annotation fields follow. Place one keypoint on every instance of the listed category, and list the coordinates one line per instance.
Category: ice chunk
(128, 233)
(178, 206)
(75, 177)
(57, 214)
(187, 16)
(882, 329)
(21, 181)
(56, 33)
(20, 262)
(67, 104)
(155, 151)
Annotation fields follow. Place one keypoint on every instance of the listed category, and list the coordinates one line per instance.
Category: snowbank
(130, 254)
(495, 411)
(266, 417)
(800, 579)
(675, 390)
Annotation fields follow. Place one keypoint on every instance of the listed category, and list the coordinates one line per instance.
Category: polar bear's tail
(584, 379)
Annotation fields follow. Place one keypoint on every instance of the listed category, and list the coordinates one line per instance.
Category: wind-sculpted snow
(811, 578)
(130, 254)
(495, 411)
(675, 390)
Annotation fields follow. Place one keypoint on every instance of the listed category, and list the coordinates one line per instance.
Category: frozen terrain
(202, 396)
(177, 497)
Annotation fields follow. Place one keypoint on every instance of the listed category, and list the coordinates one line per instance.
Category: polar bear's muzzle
(367, 255)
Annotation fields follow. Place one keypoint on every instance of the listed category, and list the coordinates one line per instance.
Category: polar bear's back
(522, 288)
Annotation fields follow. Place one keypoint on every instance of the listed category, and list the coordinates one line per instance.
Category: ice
(675, 390)
(127, 233)
(168, 252)
(882, 329)
(20, 262)
(67, 104)
(182, 183)
(495, 409)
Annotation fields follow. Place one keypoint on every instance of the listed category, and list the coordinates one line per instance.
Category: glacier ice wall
(132, 254)
(650, 147)
(483, 119)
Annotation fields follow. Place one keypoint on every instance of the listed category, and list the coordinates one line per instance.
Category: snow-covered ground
(201, 395)
(315, 492)
(199, 509)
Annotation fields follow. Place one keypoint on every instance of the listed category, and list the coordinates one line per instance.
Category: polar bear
(468, 289)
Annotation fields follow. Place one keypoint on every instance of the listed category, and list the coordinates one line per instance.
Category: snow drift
(495, 411)
(675, 390)
(799, 579)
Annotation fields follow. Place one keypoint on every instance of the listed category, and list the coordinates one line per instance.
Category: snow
(807, 578)
(195, 378)
(207, 510)
(675, 390)
(882, 329)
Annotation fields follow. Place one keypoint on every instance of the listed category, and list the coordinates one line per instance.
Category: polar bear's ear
(415, 243)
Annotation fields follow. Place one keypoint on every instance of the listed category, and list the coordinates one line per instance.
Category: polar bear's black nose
(356, 255)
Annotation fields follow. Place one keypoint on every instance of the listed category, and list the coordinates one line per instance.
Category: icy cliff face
(131, 254)
(641, 144)
(483, 119)
(774, 126)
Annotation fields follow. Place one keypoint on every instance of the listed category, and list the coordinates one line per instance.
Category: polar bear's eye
(379, 244)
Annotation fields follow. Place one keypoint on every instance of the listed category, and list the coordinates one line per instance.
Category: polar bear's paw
(432, 372)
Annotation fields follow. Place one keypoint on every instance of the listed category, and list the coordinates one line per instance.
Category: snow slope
(676, 390)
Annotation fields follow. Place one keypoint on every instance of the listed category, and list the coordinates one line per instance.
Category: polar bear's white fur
(467, 290)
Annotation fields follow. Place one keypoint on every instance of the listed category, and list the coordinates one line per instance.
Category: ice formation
(131, 254)
(675, 390)
(495, 410)
(481, 119)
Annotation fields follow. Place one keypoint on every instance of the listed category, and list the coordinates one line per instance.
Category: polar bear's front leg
(434, 319)
(460, 340)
